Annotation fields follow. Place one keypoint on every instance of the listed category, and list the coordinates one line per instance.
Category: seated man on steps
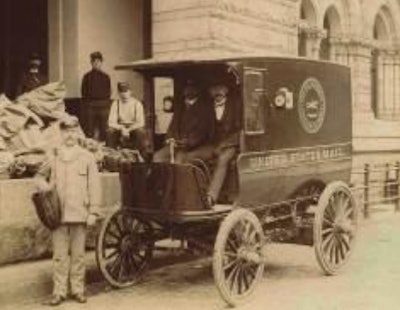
(224, 141)
(126, 121)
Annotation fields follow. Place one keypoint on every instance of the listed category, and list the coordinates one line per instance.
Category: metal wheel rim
(124, 248)
(335, 230)
(236, 275)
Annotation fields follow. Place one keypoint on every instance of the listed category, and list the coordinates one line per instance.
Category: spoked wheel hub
(124, 248)
(248, 256)
(238, 259)
(335, 227)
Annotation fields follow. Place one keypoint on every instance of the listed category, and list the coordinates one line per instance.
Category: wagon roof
(169, 63)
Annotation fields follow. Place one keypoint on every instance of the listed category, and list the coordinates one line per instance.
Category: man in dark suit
(189, 127)
(96, 93)
(225, 139)
(32, 78)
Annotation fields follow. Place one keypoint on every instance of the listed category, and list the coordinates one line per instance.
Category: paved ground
(292, 280)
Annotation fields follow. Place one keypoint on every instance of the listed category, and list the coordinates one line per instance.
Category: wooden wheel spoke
(112, 234)
(327, 231)
(331, 207)
(326, 244)
(231, 244)
(121, 266)
(141, 258)
(114, 265)
(327, 221)
(247, 228)
(235, 280)
(344, 242)
(111, 245)
(229, 265)
(134, 262)
(332, 250)
(237, 231)
(348, 212)
(334, 227)
(330, 212)
(230, 254)
(253, 239)
(345, 201)
(121, 235)
(127, 224)
(251, 270)
(239, 280)
(246, 281)
(335, 247)
(111, 255)
(116, 224)
(342, 252)
(230, 277)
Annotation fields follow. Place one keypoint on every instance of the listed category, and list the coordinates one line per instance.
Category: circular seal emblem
(312, 105)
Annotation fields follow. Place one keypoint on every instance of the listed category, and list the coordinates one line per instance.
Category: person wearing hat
(225, 138)
(73, 173)
(126, 124)
(32, 78)
(190, 125)
(96, 93)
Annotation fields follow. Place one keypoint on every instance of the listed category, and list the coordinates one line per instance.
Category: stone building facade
(363, 34)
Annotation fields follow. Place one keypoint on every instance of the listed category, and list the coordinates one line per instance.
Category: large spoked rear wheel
(124, 248)
(238, 263)
(335, 227)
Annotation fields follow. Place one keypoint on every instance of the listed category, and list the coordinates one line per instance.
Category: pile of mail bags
(29, 129)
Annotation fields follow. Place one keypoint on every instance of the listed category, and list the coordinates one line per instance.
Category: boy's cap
(96, 55)
(123, 87)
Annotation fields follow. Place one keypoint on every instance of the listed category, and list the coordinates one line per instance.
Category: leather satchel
(48, 208)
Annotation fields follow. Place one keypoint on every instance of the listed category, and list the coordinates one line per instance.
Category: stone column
(313, 37)
(339, 50)
(396, 64)
(360, 61)
(387, 90)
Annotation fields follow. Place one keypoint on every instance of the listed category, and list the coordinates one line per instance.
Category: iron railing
(376, 184)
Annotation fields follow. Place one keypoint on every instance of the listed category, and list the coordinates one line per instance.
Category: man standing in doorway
(32, 78)
(96, 93)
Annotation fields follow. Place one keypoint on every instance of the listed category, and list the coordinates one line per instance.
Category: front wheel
(124, 248)
(335, 227)
(238, 263)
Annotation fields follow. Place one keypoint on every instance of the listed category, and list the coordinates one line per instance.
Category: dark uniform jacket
(96, 87)
(226, 131)
(192, 123)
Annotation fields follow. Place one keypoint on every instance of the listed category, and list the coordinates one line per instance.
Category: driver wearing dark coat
(190, 125)
(223, 146)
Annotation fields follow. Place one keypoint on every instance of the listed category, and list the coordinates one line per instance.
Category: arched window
(385, 69)
(308, 21)
(332, 26)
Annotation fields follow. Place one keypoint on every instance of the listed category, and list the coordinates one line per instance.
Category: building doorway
(23, 31)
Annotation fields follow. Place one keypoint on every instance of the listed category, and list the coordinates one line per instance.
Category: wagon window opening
(164, 103)
(254, 102)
